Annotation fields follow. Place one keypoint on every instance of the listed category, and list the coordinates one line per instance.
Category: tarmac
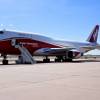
(51, 81)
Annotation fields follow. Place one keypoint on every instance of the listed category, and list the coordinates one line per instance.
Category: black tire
(46, 60)
(5, 62)
(67, 60)
(57, 60)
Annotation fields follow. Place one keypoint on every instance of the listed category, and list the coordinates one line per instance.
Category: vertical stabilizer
(94, 35)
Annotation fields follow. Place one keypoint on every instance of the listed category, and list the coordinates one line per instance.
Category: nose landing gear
(5, 61)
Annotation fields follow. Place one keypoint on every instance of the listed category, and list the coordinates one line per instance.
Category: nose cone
(1, 32)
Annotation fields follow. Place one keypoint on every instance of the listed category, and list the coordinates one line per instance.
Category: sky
(70, 20)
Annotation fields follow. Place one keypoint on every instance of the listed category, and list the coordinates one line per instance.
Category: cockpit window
(1, 32)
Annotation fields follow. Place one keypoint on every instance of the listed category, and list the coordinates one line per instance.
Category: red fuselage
(31, 45)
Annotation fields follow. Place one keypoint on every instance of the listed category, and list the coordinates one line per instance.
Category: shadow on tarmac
(74, 61)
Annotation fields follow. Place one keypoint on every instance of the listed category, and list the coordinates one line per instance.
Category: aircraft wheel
(57, 60)
(67, 60)
(5, 62)
(70, 60)
(46, 60)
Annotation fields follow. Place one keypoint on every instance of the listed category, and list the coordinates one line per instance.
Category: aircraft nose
(1, 32)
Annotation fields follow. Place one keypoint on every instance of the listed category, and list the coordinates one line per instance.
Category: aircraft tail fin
(94, 35)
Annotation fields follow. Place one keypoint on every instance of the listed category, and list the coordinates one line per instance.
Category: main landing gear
(46, 60)
(62, 59)
(4, 61)
(58, 59)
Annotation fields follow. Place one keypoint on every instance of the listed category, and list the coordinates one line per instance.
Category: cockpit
(1, 32)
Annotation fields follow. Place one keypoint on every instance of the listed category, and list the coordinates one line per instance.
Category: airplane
(28, 45)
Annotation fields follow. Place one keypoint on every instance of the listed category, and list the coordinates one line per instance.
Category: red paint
(31, 45)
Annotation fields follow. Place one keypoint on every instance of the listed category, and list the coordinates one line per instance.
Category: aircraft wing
(88, 48)
(52, 51)
(62, 51)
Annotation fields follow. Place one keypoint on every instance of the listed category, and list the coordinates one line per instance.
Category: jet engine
(74, 54)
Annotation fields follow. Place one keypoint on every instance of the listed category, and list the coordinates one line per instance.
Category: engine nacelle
(42, 51)
(74, 54)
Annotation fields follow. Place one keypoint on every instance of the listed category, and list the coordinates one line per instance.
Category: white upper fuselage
(82, 47)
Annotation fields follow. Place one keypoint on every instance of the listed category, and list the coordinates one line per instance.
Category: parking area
(50, 81)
